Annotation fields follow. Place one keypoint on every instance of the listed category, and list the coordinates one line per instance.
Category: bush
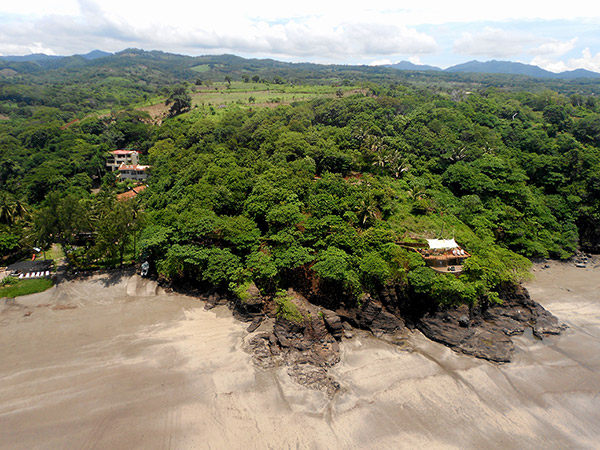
(333, 267)
(7, 281)
(375, 272)
(444, 289)
(286, 308)
(263, 269)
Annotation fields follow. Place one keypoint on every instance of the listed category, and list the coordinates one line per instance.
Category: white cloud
(381, 62)
(215, 13)
(555, 47)
(543, 51)
(319, 37)
(443, 11)
(549, 64)
(493, 42)
(40, 7)
(545, 55)
(588, 61)
(311, 30)
(35, 47)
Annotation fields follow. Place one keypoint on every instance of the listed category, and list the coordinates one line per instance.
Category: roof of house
(442, 243)
(31, 266)
(132, 167)
(131, 193)
(123, 152)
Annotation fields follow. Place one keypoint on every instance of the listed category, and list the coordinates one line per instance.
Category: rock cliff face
(486, 332)
(371, 315)
(308, 346)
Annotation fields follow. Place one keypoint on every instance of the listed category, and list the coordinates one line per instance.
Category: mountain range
(473, 67)
(504, 67)
(39, 57)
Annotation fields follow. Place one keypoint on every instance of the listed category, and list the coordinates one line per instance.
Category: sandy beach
(115, 362)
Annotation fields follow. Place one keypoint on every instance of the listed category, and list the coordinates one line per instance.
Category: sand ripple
(127, 365)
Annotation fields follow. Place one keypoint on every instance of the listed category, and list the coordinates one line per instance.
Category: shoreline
(119, 363)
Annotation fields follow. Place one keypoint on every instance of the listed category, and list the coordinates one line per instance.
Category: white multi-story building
(133, 172)
(119, 157)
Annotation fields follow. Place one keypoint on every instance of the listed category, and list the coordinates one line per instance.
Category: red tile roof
(131, 193)
(123, 152)
(132, 167)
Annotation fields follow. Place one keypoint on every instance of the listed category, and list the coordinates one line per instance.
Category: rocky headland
(485, 332)
(308, 343)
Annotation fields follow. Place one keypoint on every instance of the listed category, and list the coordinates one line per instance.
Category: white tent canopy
(442, 243)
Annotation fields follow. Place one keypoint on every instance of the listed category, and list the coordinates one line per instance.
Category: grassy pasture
(219, 95)
(263, 93)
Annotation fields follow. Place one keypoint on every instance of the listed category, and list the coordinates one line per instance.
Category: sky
(556, 36)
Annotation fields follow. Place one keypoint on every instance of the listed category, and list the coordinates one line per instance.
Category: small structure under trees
(442, 255)
(131, 193)
(31, 269)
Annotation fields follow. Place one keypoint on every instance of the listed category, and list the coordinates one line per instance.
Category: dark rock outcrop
(448, 327)
(486, 332)
(308, 346)
(214, 300)
(251, 306)
(254, 325)
(518, 305)
(333, 323)
(371, 316)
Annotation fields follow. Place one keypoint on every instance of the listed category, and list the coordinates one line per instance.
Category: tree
(11, 209)
(9, 242)
(114, 231)
(588, 129)
(334, 267)
(180, 101)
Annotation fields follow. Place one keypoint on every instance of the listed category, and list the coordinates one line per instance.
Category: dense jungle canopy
(312, 191)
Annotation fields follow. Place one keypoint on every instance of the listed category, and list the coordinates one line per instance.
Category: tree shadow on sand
(106, 278)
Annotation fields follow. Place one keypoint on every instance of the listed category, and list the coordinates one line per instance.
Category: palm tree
(11, 209)
(367, 209)
(457, 155)
(398, 165)
(380, 160)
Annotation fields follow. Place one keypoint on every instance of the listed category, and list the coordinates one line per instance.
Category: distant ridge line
(499, 67)
(491, 67)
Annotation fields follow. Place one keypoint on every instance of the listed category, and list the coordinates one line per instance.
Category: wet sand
(117, 363)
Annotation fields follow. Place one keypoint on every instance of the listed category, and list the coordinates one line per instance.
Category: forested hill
(312, 187)
(84, 83)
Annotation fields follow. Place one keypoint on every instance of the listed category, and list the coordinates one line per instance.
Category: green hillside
(298, 175)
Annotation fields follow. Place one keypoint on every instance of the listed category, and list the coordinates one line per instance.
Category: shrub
(286, 308)
(7, 281)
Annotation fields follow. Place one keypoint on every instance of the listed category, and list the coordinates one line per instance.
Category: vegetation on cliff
(311, 194)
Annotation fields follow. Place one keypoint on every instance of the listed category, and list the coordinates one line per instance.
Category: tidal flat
(113, 361)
